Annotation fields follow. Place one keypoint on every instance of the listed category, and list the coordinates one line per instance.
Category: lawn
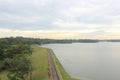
(39, 63)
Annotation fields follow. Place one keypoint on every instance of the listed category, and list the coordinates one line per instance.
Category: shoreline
(62, 71)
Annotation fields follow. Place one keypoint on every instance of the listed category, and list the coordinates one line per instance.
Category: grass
(3, 75)
(39, 63)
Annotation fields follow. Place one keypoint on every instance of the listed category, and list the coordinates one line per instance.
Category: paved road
(53, 69)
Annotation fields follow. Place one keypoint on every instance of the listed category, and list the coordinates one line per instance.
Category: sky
(60, 19)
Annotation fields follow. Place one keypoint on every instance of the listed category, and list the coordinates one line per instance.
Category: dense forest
(14, 57)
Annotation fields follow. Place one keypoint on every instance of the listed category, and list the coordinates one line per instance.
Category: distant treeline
(115, 40)
(43, 41)
(39, 41)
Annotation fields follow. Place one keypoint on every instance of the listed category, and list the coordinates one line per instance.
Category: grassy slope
(39, 63)
(3, 75)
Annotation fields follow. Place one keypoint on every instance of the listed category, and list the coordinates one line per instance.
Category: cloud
(38, 33)
(19, 19)
(56, 34)
(75, 25)
(80, 17)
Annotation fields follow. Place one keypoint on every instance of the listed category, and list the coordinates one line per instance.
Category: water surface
(94, 61)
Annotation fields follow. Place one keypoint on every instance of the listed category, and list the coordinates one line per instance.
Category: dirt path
(53, 70)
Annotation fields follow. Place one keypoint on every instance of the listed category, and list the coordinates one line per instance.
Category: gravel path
(53, 70)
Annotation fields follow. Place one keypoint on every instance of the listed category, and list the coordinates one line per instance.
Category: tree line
(14, 57)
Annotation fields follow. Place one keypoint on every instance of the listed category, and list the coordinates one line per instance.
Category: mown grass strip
(39, 63)
(3, 75)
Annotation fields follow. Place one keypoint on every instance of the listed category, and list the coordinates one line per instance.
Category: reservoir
(89, 61)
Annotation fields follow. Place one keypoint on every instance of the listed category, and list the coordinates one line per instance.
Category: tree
(20, 67)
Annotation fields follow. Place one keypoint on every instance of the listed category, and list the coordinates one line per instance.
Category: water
(92, 61)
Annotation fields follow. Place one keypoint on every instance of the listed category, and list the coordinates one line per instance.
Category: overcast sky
(60, 18)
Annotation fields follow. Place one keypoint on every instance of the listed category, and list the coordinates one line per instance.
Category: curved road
(54, 73)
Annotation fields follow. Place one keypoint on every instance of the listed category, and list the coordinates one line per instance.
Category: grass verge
(3, 75)
(39, 63)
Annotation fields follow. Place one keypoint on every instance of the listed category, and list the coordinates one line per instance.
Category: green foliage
(1, 65)
(39, 64)
(14, 54)
(20, 66)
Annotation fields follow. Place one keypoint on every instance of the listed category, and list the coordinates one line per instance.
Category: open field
(39, 63)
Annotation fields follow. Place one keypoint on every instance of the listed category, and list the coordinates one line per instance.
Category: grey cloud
(91, 19)
(50, 10)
